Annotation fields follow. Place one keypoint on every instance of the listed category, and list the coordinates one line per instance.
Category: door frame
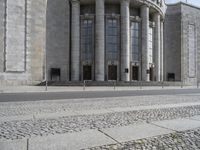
(138, 72)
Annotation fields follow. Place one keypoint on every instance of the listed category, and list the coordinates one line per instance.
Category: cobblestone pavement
(38, 107)
(20, 129)
(42, 127)
(188, 140)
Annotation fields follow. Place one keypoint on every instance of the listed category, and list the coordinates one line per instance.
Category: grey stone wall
(112, 9)
(182, 45)
(25, 26)
(172, 42)
(15, 35)
(87, 9)
(134, 11)
(190, 16)
(58, 37)
(36, 31)
(12, 42)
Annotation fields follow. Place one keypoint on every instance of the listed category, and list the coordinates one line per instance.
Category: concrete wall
(182, 48)
(15, 36)
(190, 16)
(58, 21)
(12, 42)
(36, 32)
(22, 45)
(172, 42)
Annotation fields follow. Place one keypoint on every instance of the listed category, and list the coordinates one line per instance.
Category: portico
(122, 37)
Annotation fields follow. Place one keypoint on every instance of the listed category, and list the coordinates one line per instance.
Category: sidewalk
(25, 89)
(110, 136)
(125, 123)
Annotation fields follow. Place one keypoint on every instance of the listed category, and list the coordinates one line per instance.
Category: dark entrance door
(151, 73)
(135, 73)
(112, 72)
(87, 72)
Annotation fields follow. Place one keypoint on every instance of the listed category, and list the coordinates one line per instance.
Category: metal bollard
(46, 85)
(84, 84)
(114, 84)
(27, 147)
(141, 85)
(181, 84)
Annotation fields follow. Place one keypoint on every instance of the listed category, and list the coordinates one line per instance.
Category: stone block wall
(58, 22)
(15, 36)
(12, 42)
(190, 48)
(182, 42)
(36, 39)
(22, 41)
(172, 42)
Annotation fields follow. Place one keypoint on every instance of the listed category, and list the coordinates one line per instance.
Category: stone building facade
(182, 43)
(120, 40)
(98, 40)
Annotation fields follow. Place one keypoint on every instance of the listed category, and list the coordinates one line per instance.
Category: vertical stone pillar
(145, 42)
(2, 34)
(161, 51)
(125, 41)
(157, 45)
(99, 45)
(75, 37)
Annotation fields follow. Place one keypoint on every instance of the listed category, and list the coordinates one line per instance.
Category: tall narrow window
(150, 45)
(112, 39)
(135, 40)
(87, 39)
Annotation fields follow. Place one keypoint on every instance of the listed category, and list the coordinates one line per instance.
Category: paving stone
(13, 145)
(73, 141)
(187, 140)
(178, 124)
(133, 132)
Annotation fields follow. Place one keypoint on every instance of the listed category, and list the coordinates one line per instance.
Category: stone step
(113, 83)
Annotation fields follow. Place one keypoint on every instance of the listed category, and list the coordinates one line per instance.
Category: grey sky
(194, 2)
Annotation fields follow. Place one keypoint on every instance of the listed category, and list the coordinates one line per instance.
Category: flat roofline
(184, 3)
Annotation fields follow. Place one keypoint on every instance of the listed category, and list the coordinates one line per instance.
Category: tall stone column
(157, 45)
(145, 44)
(100, 46)
(162, 52)
(125, 41)
(75, 37)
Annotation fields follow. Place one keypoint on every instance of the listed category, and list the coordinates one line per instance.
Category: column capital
(157, 14)
(156, 17)
(145, 6)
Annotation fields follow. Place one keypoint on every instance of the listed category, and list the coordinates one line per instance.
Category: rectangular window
(150, 52)
(135, 40)
(112, 39)
(87, 36)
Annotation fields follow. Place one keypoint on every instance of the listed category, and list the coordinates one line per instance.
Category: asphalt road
(86, 94)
